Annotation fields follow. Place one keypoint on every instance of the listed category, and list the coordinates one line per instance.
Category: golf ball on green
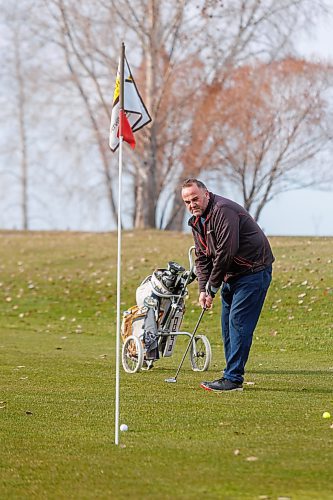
(326, 414)
(124, 428)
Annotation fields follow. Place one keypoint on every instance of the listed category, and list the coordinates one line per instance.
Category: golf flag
(128, 115)
(134, 114)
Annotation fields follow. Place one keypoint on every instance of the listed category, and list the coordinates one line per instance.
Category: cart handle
(190, 258)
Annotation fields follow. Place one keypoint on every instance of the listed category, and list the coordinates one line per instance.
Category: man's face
(195, 199)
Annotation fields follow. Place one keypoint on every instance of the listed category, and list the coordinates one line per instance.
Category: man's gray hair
(192, 181)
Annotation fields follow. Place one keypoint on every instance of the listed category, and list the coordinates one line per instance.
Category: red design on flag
(125, 129)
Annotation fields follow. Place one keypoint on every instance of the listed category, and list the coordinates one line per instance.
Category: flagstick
(116, 438)
(121, 107)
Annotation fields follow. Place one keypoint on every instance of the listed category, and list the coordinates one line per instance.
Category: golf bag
(150, 329)
(160, 306)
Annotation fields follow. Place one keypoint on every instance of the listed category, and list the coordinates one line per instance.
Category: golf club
(173, 380)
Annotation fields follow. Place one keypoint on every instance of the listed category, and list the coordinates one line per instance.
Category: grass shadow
(290, 372)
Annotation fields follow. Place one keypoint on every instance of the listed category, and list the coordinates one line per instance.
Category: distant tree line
(228, 95)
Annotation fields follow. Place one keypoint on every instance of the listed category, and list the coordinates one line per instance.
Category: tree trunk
(151, 180)
(151, 70)
(22, 133)
(176, 219)
(140, 209)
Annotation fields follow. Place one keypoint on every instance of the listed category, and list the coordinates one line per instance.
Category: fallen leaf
(251, 459)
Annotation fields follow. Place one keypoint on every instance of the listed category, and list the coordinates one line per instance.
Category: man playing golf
(232, 251)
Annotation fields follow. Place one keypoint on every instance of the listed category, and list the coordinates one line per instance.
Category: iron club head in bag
(173, 380)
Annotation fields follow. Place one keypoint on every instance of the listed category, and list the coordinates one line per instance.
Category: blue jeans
(242, 302)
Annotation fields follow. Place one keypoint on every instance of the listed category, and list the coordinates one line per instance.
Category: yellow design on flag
(116, 90)
(136, 112)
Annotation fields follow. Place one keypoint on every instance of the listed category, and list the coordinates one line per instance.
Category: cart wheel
(132, 354)
(200, 354)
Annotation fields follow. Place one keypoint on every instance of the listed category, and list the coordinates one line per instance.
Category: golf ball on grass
(326, 414)
(124, 428)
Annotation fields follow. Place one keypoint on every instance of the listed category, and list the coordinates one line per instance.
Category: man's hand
(205, 300)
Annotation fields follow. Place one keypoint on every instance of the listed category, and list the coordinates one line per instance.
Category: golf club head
(171, 380)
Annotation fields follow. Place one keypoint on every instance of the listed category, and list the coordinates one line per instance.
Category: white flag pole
(121, 107)
(117, 404)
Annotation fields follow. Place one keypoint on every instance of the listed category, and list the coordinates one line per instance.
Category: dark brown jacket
(228, 244)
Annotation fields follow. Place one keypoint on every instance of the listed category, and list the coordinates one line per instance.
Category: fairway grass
(57, 355)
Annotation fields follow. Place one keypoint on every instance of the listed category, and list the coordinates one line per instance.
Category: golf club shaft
(190, 342)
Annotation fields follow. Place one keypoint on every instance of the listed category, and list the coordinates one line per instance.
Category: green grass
(57, 355)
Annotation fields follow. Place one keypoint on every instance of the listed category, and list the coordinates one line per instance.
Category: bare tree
(165, 58)
(237, 33)
(21, 101)
(159, 38)
(268, 128)
(69, 27)
(16, 70)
